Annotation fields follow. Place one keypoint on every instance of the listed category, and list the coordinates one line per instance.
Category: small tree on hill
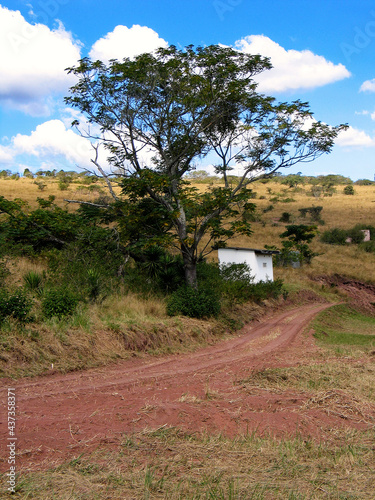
(160, 114)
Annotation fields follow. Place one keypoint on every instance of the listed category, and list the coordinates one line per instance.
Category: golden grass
(25, 189)
(340, 211)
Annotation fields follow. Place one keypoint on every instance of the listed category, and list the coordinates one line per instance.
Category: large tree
(160, 114)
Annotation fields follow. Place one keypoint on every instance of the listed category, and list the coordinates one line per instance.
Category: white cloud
(353, 137)
(368, 86)
(52, 140)
(126, 42)
(6, 156)
(33, 61)
(292, 69)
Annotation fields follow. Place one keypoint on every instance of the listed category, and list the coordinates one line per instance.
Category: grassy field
(167, 463)
(65, 345)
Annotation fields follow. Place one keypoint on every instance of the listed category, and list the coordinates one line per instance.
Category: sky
(322, 52)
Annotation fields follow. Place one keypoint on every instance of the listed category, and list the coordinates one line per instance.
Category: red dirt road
(62, 416)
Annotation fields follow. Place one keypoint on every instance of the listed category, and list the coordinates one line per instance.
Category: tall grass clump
(33, 280)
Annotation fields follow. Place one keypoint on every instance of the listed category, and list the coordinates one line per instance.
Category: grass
(166, 463)
(342, 326)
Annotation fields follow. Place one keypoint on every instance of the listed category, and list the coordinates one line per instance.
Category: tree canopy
(160, 115)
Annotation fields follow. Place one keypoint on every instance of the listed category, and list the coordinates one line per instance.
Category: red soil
(62, 416)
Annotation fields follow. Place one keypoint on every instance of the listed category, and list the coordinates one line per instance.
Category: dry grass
(339, 210)
(25, 189)
(100, 334)
(165, 463)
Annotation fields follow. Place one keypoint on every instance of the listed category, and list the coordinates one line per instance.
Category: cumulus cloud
(353, 137)
(368, 86)
(33, 61)
(292, 69)
(50, 141)
(6, 155)
(126, 42)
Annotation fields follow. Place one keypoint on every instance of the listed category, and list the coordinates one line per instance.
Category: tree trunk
(190, 267)
(191, 274)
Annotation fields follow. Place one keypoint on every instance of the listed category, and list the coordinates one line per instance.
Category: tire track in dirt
(63, 415)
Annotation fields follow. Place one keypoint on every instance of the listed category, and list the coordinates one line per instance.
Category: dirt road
(61, 416)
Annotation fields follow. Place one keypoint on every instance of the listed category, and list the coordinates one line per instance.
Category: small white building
(259, 261)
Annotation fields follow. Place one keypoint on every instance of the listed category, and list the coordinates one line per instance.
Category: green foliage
(364, 182)
(349, 189)
(16, 305)
(314, 212)
(368, 246)
(328, 180)
(59, 302)
(200, 101)
(4, 174)
(41, 185)
(33, 280)
(292, 180)
(338, 236)
(266, 290)
(296, 246)
(334, 236)
(4, 271)
(227, 285)
(63, 185)
(285, 217)
(94, 284)
(355, 234)
(194, 302)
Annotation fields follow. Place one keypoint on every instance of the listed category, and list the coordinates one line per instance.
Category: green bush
(194, 302)
(364, 182)
(355, 234)
(285, 217)
(349, 190)
(58, 302)
(266, 289)
(17, 305)
(334, 236)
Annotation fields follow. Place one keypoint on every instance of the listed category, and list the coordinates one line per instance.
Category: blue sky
(323, 52)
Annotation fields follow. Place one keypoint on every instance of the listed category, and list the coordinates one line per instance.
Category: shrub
(364, 182)
(349, 189)
(17, 305)
(63, 185)
(355, 234)
(194, 302)
(285, 217)
(268, 208)
(334, 236)
(266, 289)
(59, 302)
